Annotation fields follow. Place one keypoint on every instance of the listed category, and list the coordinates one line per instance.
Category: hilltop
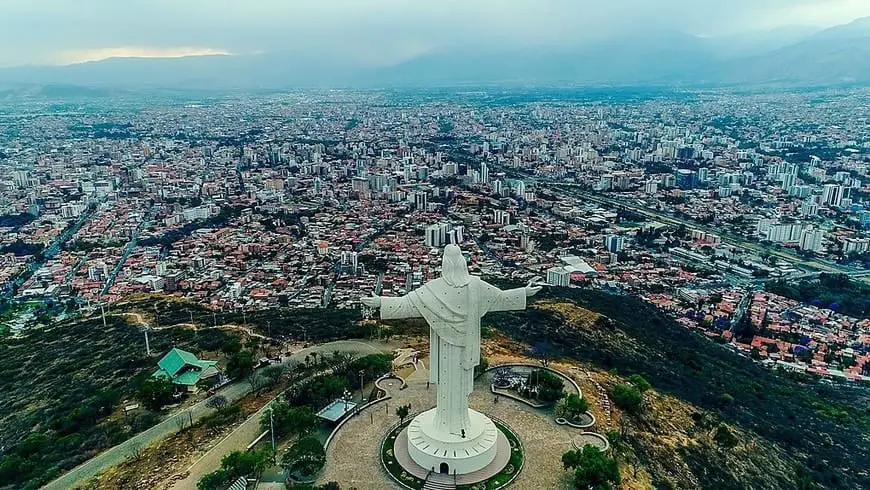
(713, 419)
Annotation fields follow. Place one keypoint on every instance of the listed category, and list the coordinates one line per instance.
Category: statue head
(454, 269)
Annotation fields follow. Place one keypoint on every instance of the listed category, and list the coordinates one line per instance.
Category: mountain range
(791, 56)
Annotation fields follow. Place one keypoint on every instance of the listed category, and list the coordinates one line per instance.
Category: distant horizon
(377, 33)
(152, 52)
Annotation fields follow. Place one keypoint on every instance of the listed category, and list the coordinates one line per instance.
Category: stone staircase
(438, 481)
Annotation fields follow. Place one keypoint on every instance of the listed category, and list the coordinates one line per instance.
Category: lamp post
(361, 377)
(346, 397)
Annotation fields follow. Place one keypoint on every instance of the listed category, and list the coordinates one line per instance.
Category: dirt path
(140, 320)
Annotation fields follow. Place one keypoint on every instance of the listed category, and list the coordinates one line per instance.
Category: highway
(172, 423)
(131, 245)
(609, 201)
(50, 251)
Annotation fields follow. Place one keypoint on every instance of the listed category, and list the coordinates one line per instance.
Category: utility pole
(214, 318)
(147, 344)
(272, 430)
(191, 316)
(103, 310)
(361, 375)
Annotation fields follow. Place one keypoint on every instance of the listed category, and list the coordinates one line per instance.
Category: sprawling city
(475, 287)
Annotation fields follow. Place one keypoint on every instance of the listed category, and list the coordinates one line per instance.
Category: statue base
(446, 453)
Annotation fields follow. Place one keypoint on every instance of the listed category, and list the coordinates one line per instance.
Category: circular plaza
(370, 450)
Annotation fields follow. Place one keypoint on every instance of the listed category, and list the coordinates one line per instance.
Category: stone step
(437, 481)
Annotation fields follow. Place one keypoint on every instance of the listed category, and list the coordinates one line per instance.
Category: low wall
(534, 366)
(564, 421)
(390, 376)
(355, 412)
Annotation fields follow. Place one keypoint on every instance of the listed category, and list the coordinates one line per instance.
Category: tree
(570, 459)
(235, 465)
(155, 393)
(327, 389)
(256, 381)
(571, 407)
(482, 367)
(305, 458)
(576, 405)
(402, 412)
(213, 481)
(547, 387)
(627, 397)
(240, 364)
(639, 382)
(288, 420)
(217, 402)
(593, 470)
(725, 437)
(272, 375)
(245, 463)
(231, 347)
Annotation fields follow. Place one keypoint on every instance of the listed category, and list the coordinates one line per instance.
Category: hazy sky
(367, 31)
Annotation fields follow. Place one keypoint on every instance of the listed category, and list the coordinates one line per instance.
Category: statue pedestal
(447, 453)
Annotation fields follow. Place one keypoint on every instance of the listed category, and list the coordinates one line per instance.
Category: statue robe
(453, 314)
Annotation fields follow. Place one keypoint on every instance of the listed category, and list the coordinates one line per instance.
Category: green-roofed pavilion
(184, 369)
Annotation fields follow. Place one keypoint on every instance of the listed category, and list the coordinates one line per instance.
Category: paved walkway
(117, 454)
(353, 458)
(238, 440)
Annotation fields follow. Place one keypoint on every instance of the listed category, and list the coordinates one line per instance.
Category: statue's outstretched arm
(393, 308)
(495, 299)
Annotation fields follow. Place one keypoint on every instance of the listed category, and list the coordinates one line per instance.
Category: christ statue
(452, 305)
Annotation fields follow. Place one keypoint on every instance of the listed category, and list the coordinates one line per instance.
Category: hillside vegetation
(63, 386)
(790, 431)
(833, 291)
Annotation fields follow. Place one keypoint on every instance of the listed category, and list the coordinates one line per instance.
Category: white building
(558, 276)
(833, 194)
(811, 239)
(785, 232)
(614, 243)
(856, 245)
(809, 208)
(438, 234)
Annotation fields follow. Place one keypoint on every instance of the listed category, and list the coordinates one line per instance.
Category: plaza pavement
(353, 458)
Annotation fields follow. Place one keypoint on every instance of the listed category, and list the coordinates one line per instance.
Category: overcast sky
(368, 31)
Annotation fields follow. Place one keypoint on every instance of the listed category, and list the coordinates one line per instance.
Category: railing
(356, 411)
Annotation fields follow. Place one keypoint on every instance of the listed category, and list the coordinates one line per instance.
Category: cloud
(84, 55)
(371, 31)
